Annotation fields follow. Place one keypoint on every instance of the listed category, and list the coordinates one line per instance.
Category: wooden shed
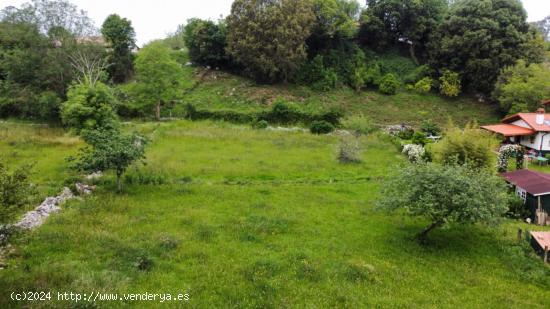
(540, 241)
(534, 188)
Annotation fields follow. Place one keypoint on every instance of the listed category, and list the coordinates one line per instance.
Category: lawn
(244, 218)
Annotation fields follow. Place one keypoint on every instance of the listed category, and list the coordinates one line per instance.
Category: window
(521, 193)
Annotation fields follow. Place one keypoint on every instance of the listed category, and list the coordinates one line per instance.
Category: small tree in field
(157, 74)
(446, 194)
(111, 150)
(15, 190)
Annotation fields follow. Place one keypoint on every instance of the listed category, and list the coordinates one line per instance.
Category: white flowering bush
(414, 152)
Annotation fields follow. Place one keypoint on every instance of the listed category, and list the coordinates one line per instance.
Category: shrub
(419, 138)
(424, 85)
(405, 134)
(349, 150)
(415, 153)
(321, 127)
(430, 128)
(329, 81)
(389, 84)
(284, 113)
(15, 191)
(359, 124)
(261, 124)
(48, 106)
(450, 84)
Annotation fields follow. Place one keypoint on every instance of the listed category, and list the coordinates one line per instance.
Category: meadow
(243, 218)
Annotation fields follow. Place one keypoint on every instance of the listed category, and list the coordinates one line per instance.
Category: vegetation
(120, 35)
(15, 191)
(321, 127)
(206, 42)
(446, 194)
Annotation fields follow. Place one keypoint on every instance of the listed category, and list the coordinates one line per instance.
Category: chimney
(540, 116)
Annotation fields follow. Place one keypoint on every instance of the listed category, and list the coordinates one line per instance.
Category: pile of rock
(398, 128)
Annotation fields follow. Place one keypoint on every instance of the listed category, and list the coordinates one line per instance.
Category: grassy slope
(268, 220)
(220, 90)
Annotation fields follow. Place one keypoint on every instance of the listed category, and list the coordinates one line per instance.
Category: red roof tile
(536, 183)
(530, 119)
(509, 130)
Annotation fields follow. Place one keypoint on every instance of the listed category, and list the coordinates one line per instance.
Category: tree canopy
(268, 37)
(120, 34)
(206, 42)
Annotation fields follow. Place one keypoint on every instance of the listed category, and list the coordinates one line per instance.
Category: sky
(154, 19)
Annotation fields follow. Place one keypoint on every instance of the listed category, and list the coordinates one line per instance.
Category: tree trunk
(423, 236)
(119, 182)
(157, 111)
(413, 54)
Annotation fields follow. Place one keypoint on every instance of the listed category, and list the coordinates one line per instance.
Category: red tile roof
(543, 238)
(530, 119)
(509, 130)
(536, 183)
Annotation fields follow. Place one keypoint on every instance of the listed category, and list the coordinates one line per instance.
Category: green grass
(219, 90)
(247, 218)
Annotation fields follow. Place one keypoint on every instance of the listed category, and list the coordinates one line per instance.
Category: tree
(158, 76)
(120, 34)
(469, 146)
(544, 27)
(267, 37)
(15, 191)
(445, 194)
(110, 150)
(89, 107)
(522, 87)
(479, 38)
(388, 22)
(206, 42)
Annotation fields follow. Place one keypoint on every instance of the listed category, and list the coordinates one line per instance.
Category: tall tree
(120, 34)
(267, 37)
(206, 41)
(479, 38)
(157, 75)
(388, 22)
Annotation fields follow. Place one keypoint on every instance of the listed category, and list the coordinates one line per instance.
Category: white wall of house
(521, 123)
(534, 142)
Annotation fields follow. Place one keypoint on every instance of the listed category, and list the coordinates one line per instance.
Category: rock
(50, 205)
(395, 129)
(84, 189)
(94, 176)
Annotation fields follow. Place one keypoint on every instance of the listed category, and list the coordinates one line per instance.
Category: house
(531, 130)
(534, 189)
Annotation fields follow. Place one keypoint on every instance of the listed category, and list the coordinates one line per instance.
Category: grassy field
(246, 218)
(210, 89)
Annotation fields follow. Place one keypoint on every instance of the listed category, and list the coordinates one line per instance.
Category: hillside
(218, 90)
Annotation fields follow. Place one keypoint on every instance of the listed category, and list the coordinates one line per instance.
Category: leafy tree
(15, 191)
(89, 107)
(450, 84)
(206, 42)
(471, 146)
(445, 194)
(335, 21)
(522, 87)
(110, 150)
(158, 76)
(120, 34)
(544, 27)
(479, 38)
(388, 22)
(389, 84)
(267, 37)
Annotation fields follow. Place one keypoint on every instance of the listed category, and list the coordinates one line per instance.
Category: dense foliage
(120, 35)
(206, 42)
(268, 37)
(446, 194)
(15, 191)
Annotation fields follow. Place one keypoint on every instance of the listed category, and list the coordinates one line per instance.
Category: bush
(430, 128)
(359, 124)
(405, 134)
(329, 81)
(419, 138)
(389, 84)
(424, 85)
(261, 124)
(415, 153)
(284, 113)
(321, 127)
(349, 150)
(15, 191)
(206, 42)
(450, 84)
(48, 106)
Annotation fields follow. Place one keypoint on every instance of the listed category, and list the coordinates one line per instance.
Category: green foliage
(120, 34)
(429, 127)
(261, 124)
(450, 84)
(321, 127)
(389, 84)
(522, 87)
(478, 39)
(446, 194)
(424, 85)
(206, 42)
(89, 107)
(359, 124)
(349, 149)
(110, 150)
(257, 41)
(15, 191)
(419, 138)
(158, 77)
(49, 105)
(471, 146)
(405, 134)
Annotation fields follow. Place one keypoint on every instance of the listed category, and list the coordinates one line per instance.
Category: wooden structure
(534, 189)
(540, 241)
